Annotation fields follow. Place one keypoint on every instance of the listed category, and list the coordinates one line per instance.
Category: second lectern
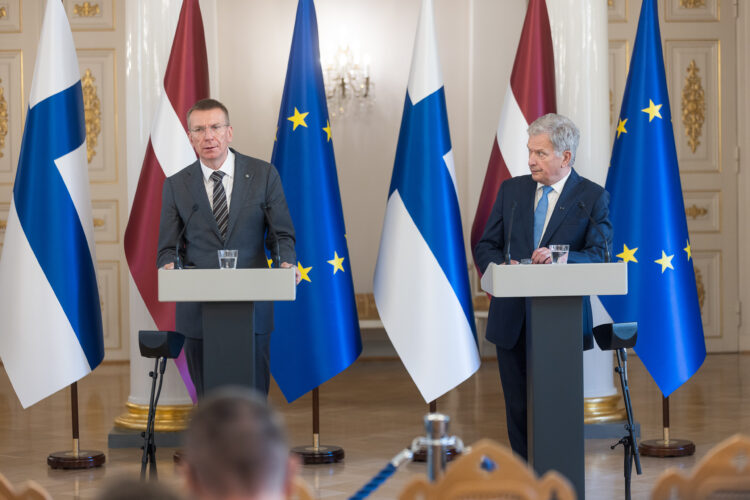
(228, 296)
(554, 353)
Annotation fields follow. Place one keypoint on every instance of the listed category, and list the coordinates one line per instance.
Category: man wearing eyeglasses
(224, 200)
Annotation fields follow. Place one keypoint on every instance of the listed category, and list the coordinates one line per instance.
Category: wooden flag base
(321, 454)
(666, 447)
(84, 459)
(661, 449)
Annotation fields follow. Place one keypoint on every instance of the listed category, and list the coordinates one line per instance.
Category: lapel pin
(247, 176)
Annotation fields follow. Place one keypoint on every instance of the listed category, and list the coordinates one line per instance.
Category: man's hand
(541, 255)
(169, 265)
(297, 274)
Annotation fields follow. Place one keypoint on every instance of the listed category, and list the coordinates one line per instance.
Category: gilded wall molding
(700, 286)
(693, 106)
(694, 211)
(692, 4)
(87, 9)
(92, 113)
(3, 119)
(3, 13)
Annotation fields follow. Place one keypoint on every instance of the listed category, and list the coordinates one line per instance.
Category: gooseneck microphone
(178, 260)
(272, 229)
(582, 206)
(510, 232)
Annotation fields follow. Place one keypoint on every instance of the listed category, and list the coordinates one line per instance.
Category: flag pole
(666, 447)
(75, 458)
(317, 453)
(451, 452)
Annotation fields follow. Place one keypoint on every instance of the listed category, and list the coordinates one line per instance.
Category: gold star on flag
(270, 262)
(621, 127)
(652, 110)
(665, 261)
(327, 130)
(337, 263)
(298, 119)
(688, 250)
(303, 271)
(628, 254)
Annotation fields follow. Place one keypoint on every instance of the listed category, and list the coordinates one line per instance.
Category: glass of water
(559, 253)
(227, 259)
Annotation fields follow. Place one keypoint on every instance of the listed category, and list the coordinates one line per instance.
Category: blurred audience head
(236, 447)
(134, 489)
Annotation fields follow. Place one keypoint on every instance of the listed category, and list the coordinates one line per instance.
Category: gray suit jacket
(184, 201)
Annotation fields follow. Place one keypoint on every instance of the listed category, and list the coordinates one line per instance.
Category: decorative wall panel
(4, 208)
(100, 103)
(707, 264)
(98, 15)
(106, 221)
(10, 16)
(11, 112)
(619, 55)
(617, 11)
(703, 211)
(108, 277)
(693, 68)
(691, 11)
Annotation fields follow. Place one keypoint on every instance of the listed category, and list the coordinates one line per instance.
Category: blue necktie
(540, 214)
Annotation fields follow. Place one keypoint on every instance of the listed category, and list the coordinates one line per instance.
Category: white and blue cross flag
(51, 332)
(421, 281)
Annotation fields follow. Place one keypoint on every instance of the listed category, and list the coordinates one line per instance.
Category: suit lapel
(197, 188)
(565, 204)
(243, 175)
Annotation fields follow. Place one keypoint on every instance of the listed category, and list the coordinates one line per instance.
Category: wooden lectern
(227, 296)
(554, 353)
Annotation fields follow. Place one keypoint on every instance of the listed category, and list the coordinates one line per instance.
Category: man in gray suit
(225, 200)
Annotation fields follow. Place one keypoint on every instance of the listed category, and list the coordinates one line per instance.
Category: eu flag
(317, 336)
(648, 215)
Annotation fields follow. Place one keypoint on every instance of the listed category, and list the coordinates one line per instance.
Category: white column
(150, 30)
(579, 37)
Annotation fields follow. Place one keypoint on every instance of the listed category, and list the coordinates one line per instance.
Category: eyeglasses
(215, 129)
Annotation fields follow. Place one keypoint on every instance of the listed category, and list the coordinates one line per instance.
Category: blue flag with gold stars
(317, 336)
(648, 215)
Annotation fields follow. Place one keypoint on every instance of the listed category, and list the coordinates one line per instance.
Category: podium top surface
(226, 285)
(556, 280)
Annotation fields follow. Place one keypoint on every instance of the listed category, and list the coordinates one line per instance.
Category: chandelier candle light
(347, 81)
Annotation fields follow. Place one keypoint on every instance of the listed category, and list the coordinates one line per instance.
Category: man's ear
(567, 155)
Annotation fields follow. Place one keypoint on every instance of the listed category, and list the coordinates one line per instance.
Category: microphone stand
(629, 443)
(149, 445)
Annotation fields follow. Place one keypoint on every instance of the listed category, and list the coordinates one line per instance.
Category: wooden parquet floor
(373, 411)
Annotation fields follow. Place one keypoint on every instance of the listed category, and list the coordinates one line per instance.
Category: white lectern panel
(226, 285)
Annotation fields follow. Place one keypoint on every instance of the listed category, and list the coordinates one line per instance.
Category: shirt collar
(227, 167)
(557, 186)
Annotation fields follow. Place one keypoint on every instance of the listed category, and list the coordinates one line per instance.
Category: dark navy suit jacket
(569, 224)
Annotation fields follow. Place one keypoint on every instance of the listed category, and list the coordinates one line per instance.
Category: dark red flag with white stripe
(531, 94)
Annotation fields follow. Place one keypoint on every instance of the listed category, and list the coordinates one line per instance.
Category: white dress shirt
(228, 180)
(552, 198)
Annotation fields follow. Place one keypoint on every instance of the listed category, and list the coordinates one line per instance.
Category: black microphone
(582, 206)
(178, 261)
(510, 232)
(272, 230)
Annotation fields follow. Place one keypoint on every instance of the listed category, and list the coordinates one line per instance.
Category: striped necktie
(221, 211)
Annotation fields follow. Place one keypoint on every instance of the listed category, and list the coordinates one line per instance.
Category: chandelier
(347, 82)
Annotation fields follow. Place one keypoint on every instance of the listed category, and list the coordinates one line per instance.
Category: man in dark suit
(552, 206)
(225, 200)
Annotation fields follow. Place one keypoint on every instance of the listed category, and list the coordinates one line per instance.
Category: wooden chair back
(723, 473)
(509, 478)
(29, 490)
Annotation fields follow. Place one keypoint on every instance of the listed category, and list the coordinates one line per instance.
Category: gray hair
(236, 444)
(562, 132)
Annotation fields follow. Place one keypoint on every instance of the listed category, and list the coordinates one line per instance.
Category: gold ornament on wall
(3, 12)
(3, 119)
(692, 4)
(92, 113)
(693, 106)
(694, 211)
(87, 9)
(701, 288)
(610, 3)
